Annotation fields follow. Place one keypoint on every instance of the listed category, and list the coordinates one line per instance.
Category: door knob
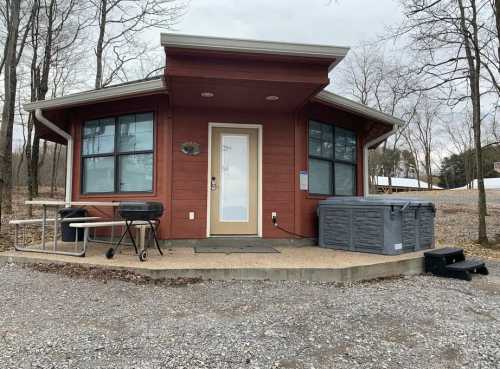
(213, 184)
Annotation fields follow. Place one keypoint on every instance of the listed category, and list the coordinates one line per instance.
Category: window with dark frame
(118, 154)
(332, 160)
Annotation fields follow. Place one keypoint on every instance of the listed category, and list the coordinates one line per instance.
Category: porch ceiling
(239, 94)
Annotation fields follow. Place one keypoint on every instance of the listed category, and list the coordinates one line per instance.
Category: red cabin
(237, 135)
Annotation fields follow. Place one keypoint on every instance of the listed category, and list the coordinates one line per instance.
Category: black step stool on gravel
(450, 262)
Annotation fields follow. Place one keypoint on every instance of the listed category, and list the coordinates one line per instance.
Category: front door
(234, 181)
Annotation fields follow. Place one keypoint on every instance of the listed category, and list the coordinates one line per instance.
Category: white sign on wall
(496, 166)
(303, 180)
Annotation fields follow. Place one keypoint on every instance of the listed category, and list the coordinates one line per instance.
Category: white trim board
(259, 169)
(357, 108)
(107, 93)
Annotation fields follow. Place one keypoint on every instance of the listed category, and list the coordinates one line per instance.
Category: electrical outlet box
(191, 215)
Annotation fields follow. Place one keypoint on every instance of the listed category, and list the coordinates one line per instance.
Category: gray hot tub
(389, 226)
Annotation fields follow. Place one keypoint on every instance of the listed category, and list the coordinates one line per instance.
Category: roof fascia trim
(253, 46)
(357, 108)
(87, 97)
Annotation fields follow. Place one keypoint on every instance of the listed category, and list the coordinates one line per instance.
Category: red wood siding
(181, 180)
(256, 67)
(161, 188)
(305, 214)
(190, 172)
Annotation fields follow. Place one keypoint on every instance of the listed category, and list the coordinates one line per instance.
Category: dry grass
(457, 221)
(20, 211)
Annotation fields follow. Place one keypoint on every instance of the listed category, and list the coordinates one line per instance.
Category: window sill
(118, 195)
(317, 197)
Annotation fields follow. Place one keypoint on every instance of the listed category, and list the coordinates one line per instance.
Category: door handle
(213, 184)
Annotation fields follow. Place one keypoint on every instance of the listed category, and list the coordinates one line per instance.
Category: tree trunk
(41, 85)
(53, 171)
(497, 14)
(44, 154)
(35, 152)
(471, 45)
(10, 87)
(20, 164)
(100, 44)
(428, 167)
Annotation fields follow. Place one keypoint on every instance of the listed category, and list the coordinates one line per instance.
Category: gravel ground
(51, 320)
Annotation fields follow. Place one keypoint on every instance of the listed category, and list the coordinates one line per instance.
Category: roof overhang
(103, 94)
(356, 108)
(248, 46)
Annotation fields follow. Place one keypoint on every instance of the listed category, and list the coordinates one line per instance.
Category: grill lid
(140, 210)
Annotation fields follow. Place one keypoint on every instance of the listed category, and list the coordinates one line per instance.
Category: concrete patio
(307, 263)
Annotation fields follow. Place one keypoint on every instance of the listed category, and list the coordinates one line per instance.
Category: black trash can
(68, 234)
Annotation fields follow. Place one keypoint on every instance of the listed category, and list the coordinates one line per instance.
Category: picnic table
(57, 220)
(45, 204)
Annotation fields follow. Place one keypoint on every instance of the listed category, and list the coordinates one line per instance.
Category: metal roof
(254, 46)
(403, 182)
(127, 89)
(360, 109)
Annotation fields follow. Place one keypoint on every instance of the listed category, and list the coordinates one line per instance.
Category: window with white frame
(117, 154)
(332, 160)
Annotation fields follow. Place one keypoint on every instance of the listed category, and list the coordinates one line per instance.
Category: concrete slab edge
(387, 269)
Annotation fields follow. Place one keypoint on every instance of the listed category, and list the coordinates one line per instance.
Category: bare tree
(17, 27)
(490, 50)
(423, 127)
(118, 24)
(448, 37)
(460, 135)
(375, 81)
(470, 32)
(363, 74)
(496, 11)
(56, 27)
(23, 149)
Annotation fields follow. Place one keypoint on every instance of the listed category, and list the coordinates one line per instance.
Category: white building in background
(489, 184)
(401, 184)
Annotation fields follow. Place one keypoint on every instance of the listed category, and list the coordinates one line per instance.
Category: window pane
(345, 179)
(327, 150)
(320, 177)
(234, 203)
(136, 172)
(99, 136)
(314, 147)
(135, 132)
(345, 145)
(314, 129)
(327, 132)
(99, 174)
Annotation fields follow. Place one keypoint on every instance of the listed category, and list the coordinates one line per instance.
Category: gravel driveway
(53, 321)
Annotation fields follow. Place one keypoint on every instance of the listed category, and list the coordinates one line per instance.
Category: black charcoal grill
(138, 211)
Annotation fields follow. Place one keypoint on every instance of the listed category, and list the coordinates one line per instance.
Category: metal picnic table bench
(44, 222)
(140, 224)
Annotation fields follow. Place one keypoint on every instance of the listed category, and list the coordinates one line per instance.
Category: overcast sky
(331, 22)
